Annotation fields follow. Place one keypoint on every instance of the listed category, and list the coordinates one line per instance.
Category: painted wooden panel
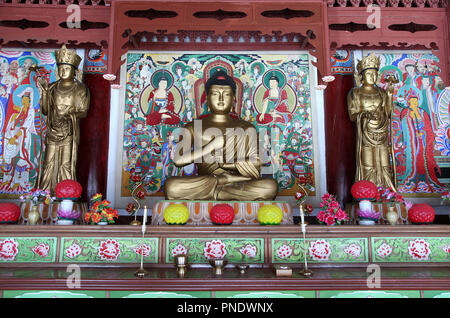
(411, 249)
(199, 250)
(328, 250)
(108, 250)
(27, 249)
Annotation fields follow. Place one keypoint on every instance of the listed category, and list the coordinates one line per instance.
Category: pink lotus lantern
(421, 213)
(9, 212)
(67, 191)
(222, 214)
(365, 191)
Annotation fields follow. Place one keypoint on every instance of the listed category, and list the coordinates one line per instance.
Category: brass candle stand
(141, 272)
(181, 263)
(305, 271)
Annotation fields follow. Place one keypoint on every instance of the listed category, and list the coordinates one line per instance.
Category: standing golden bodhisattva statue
(225, 150)
(63, 102)
(371, 107)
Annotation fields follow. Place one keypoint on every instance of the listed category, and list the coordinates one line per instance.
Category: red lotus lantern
(68, 190)
(421, 213)
(364, 190)
(9, 213)
(222, 214)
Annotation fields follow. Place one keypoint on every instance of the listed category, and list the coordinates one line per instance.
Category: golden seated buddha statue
(225, 150)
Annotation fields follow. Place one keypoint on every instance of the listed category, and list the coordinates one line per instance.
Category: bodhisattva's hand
(261, 117)
(42, 83)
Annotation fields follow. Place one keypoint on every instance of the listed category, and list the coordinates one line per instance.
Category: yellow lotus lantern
(270, 215)
(176, 214)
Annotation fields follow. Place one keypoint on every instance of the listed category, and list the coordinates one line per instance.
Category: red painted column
(340, 139)
(92, 165)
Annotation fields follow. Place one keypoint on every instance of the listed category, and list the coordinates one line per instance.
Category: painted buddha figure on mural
(371, 107)
(161, 102)
(225, 150)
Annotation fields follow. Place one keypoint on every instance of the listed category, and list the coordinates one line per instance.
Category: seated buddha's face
(220, 99)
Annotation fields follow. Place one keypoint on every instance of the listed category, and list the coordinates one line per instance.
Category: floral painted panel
(27, 249)
(411, 249)
(167, 90)
(421, 121)
(329, 250)
(200, 250)
(114, 250)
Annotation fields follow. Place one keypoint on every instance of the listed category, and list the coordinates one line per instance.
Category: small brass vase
(34, 215)
(392, 216)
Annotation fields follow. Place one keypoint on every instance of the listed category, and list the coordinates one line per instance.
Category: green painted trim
(369, 294)
(436, 294)
(266, 294)
(160, 294)
(53, 294)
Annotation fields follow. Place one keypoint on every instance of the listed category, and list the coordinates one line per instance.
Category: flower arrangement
(388, 195)
(37, 196)
(330, 211)
(100, 211)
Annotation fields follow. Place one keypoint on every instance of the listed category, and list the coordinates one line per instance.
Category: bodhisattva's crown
(370, 61)
(65, 56)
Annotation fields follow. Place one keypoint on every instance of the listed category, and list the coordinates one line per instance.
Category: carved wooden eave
(227, 25)
(399, 29)
(319, 26)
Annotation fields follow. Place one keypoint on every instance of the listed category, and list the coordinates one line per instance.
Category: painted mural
(166, 90)
(421, 122)
(21, 122)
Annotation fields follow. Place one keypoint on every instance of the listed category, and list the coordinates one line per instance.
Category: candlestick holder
(305, 271)
(141, 272)
(181, 264)
(242, 268)
(218, 265)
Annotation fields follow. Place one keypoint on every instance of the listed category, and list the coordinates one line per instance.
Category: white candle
(302, 214)
(144, 221)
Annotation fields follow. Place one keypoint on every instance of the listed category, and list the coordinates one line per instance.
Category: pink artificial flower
(329, 220)
(326, 197)
(341, 215)
(321, 216)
